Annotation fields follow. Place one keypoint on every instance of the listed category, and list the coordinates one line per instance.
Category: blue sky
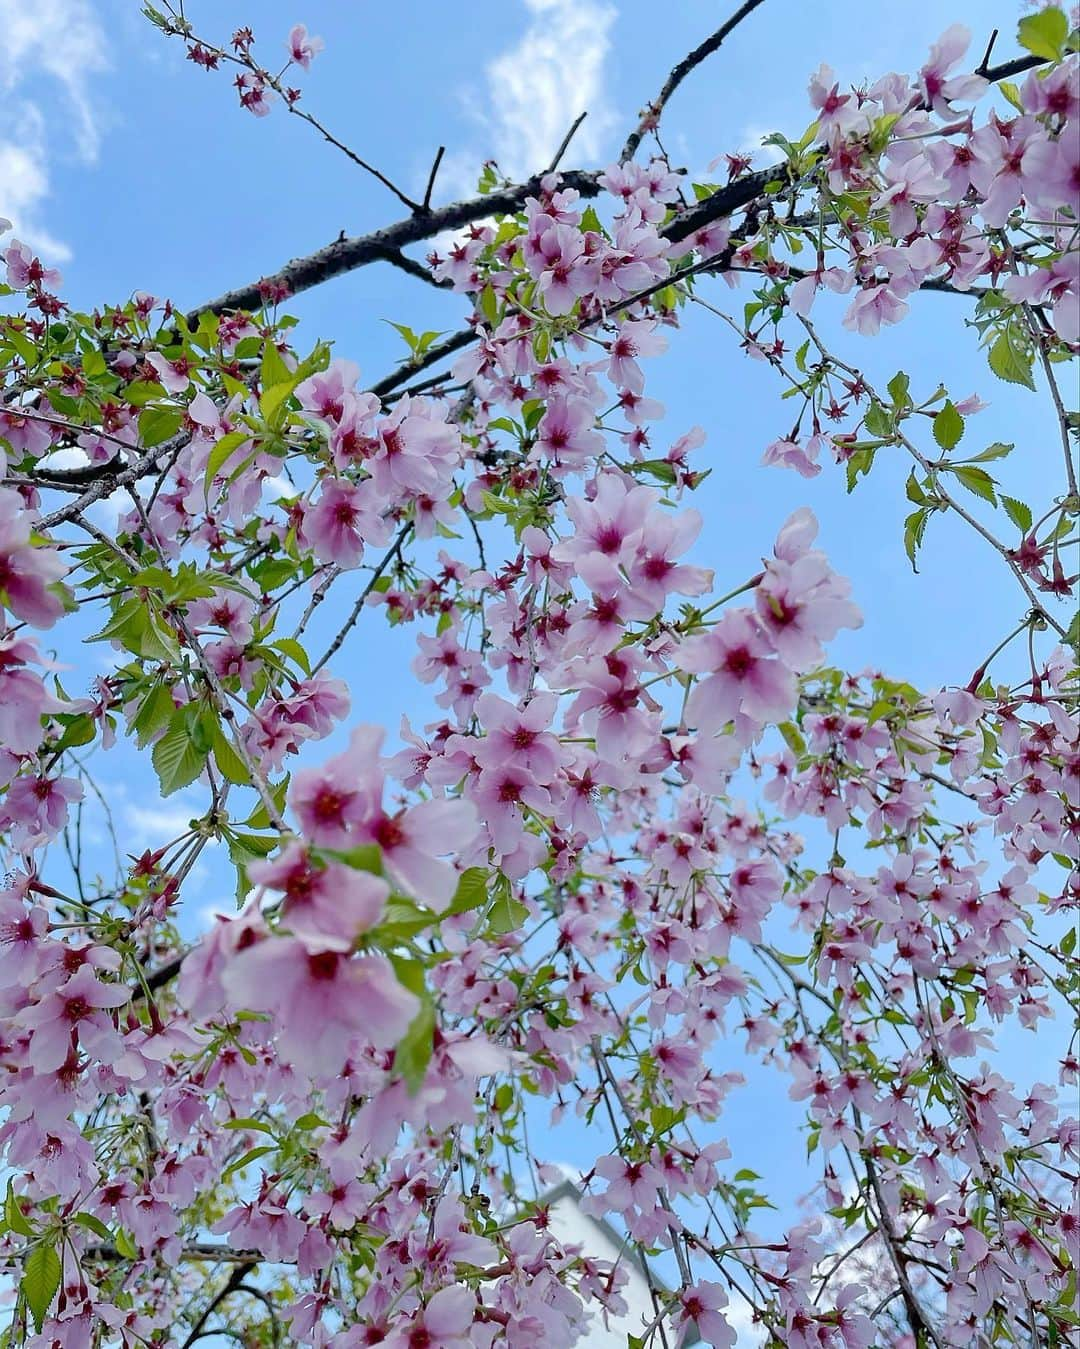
(135, 170)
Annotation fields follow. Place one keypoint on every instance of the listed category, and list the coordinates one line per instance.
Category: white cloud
(63, 41)
(157, 824)
(537, 88)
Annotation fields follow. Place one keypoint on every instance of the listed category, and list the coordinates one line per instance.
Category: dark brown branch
(556, 158)
(406, 264)
(345, 255)
(431, 357)
(159, 977)
(651, 117)
(235, 1279)
(103, 487)
(74, 479)
(1007, 69)
(390, 556)
(425, 205)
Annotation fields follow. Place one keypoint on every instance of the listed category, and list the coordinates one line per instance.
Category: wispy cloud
(537, 88)
(62, 42)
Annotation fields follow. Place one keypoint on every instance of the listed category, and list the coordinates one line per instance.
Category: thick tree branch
(345, 255)
(651, 116)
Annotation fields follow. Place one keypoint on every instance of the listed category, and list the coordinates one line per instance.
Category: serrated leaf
(976, 480)
(288, 646)
(154, 712)
(1011, 94)
(176, 760)
(948, 427)
(877, 421)
(999, 450)
(898, 389)
(660, 469)
(914, 529)
(221, 451)
(1044, 34)
(93, 1224)
(229, 763)
(506, 914)
(40, 1282)
(472, 891)
(1009, 363)
(364, 857)
(914, 490)
(156, 425)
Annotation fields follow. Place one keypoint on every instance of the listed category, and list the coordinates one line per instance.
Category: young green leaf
(948, 427)
(40, 1281)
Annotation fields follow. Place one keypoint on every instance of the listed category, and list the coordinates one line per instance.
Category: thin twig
(565, 142)
(651, 117)
(381, 567)
(425, 205)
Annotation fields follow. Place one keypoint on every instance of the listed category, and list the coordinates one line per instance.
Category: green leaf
(175, 757)
(1044, 34)
(259, 819)
(1011, 93)
(251, 1155)
(364, 857)
(914, 528)
(472, 891)
(1018, 512)
(220, 452)
(273, 370)
(94, 1225)
(858, 465)
(413, 1053)
(877, 421)
(976, 480)
(401, 921)
(999, 450)
(124, 1244)
(40, 1282)
(506, 914)
(288, 646)
(898, 390)
(14, 1220)
(1009, 363)
(948, 427)
(156, 425)
(154, 712)
(229, 763)
(489, 306)
(77, 731)
(248, 1123)
(660, 469)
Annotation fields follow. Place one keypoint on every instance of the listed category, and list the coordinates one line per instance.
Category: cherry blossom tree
(649, 818)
